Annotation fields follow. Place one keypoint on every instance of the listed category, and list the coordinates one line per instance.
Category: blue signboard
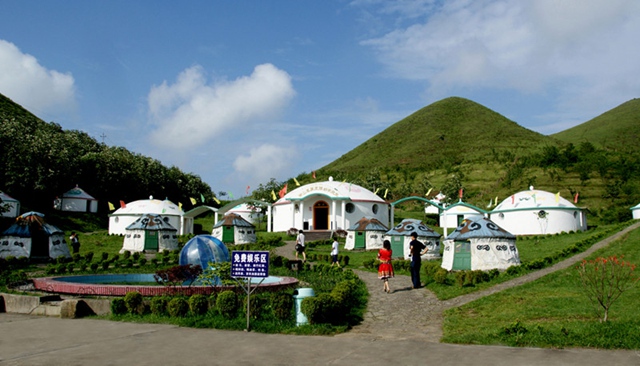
(250, 264)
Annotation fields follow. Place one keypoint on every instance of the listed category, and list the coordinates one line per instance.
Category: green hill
(453, 130)
(617, 129)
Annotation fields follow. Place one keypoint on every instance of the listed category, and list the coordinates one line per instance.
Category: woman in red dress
(385, 270)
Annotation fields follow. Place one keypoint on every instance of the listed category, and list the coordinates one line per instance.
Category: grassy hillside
(617, 129)
(453, 130)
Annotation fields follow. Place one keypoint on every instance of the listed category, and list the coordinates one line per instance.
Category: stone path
(406, 313)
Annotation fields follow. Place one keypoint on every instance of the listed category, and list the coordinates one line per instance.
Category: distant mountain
(616, 129)
(454, 130)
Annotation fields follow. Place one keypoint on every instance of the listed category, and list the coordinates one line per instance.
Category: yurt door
(397, 246)
(321, 216)
(462, 256)
(151, 240)
(360, 240)
(227, 234)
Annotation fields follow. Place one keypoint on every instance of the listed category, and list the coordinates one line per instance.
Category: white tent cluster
(30, 236)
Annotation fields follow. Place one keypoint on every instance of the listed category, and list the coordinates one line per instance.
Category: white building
(536, 212)
(76, 200)
(125, 216)
(12, 204)
(327, 205)
(635, 211)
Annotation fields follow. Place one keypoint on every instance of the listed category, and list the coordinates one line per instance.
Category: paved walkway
(401, 328)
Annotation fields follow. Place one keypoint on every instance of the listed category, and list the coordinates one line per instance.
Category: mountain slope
(618, 128)
(454, 130)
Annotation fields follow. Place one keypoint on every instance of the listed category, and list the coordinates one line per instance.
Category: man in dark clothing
(416, 249)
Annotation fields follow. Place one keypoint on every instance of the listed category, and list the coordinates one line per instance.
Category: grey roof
(368, 224)
(28, 221)
(480, 227)
(233, 220)
(407, 226)
(151, 222)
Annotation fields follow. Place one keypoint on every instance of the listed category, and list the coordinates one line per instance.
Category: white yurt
(234, 229)
(400, 237)
(12, 205)
(453, 215)
(30, 236)
(247, 211)
(125, 216)
(150, 232)
(536, 212)
(635, 211)
(367, 233)
(76, 200)
(327, 205)
(480, 244)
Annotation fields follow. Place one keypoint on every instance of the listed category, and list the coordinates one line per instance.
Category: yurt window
(117, 219)
(374, 209)
(350, 207)
(165, 219)
(296, 208)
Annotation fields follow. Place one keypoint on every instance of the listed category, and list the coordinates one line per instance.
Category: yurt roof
(6, 198)
(77, 193)
(24, 222)
(462, 207)
(480, 227)
(636, 207)
(153, 206)
(233, 220)
(407, 226)
(533, 199)
(244, 208)
(151, 222)
(332, 189)
(368, 224)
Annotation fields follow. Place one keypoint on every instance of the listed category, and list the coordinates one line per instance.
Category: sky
(239, 92)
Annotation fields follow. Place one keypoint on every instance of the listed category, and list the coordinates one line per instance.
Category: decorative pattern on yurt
(367, 233)
(400, 237)
(234, 229)
(150, 232)
(480, 244)
(30, 236)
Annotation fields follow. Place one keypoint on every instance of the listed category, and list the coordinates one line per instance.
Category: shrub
(282, 305)
(115, 258)
(88, 257)
(345, 260)
(133, 301)
(118, 306)
(198, 304)
(83, 266)
(158, 305)
(319, 309)
(368, 263)
(513, 270)
(441, 276)
(126, 254)
(76, 257)
(94, 267)
(227, 303)
(142, 261)
(50, 269)
(62, 268)
(178, 307)
(105, 256)
(345, 294)
(136, 256)
(105, 265)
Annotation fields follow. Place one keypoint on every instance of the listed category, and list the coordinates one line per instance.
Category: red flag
(460, 193)
(283, 191)
(575, 198)
(513, 199)
(122, 204)
(313, 174)
(248, 189)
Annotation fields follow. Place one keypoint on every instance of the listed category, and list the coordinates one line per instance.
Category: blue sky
(239, 92)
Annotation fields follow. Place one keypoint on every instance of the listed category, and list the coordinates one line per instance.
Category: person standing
(300, 246)
(416, 249)
(385, 269)
(334, 252)
(75, 242)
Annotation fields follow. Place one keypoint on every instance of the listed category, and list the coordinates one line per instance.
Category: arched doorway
(321, 215)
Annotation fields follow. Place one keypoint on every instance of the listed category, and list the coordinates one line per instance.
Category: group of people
(385, 269)
(300, 249)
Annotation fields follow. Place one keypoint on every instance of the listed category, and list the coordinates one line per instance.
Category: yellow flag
(273, 195)
(557, 197)
(385, 192)
(111, 206)
(495, 204)
(429, 191)
(377, 189)
(193, 200)
(297, 184)
(216, 199)
(180, 205)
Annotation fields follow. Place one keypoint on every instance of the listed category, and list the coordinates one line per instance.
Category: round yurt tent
(635, 211)
(327, 205)
(480, 244)
(536, 212)
(247, 211)
(400, 237)
(76, 200)
(452, 215)
(150, 232)
(30, 236)
(367, 233)
(130, 212)
(11, 205)
(234, 229)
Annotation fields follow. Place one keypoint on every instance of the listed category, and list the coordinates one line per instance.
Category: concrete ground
(401, 328)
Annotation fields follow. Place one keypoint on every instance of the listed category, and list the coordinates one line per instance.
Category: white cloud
(193, 111)
(265, 162)
(582, 51)
(31, 85)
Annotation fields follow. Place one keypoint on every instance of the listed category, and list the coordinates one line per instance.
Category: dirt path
(406, 313)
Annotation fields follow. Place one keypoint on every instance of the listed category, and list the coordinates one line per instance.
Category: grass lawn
(551, 312)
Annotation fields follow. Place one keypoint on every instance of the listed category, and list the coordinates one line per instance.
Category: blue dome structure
(203, 249)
